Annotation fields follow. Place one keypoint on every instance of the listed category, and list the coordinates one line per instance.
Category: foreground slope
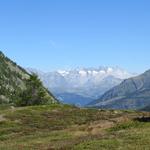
(133, 93)
(69, 128)
(14, 81)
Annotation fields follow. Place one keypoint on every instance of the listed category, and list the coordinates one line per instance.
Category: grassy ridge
(66, 127)
(19, 88)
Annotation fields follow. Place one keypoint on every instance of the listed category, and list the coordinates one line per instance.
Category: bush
(35, 93)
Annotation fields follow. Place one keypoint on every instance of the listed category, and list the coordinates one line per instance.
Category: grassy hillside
(17, 86)
(65, 127)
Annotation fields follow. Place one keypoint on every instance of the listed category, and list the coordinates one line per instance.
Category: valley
(74, 75)
(80, 86)
(31, 118)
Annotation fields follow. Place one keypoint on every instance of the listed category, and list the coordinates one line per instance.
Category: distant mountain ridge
(132, 93)
(86, 83)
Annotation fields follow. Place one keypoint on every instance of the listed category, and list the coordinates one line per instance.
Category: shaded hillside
(16, 85)
(147, 108)
(133, 93)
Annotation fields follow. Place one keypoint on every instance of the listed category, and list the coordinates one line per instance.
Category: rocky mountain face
(133, 93)
(15, 81)
(83, 85)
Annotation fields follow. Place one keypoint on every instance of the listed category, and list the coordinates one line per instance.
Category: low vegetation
(66, 127)
(34, 94)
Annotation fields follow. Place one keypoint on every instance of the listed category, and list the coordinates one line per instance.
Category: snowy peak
(88, 83)
(100, 72)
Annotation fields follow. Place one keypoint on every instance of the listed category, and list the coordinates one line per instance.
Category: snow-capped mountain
(88, 83)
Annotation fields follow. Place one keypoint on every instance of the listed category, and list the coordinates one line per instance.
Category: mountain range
(132, 93)
(80, 86)
(113, 87)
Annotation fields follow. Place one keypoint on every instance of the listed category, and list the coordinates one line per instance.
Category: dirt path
(2, 118)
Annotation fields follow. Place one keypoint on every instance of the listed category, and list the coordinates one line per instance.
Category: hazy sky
(58, 34)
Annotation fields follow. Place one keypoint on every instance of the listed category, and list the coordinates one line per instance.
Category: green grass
(129, 136)
(67, 127)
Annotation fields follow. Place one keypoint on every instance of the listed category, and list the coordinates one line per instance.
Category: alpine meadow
(74, 75)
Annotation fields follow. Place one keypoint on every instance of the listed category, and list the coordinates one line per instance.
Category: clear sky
(58, 34)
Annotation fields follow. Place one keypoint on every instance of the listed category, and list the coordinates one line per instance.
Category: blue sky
(58, 34)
